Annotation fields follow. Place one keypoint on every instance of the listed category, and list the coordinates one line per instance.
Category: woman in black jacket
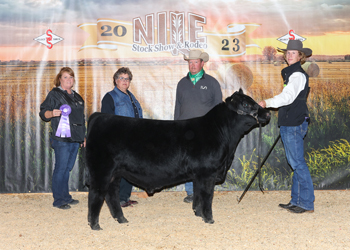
(65, 109)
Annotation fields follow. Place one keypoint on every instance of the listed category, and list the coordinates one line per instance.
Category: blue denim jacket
(123, 105)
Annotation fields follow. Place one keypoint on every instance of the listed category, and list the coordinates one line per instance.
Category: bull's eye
(245, 105)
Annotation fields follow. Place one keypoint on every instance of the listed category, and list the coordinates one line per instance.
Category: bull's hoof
(122, 220)
(209, 221)
(95, 227)
(198, 213)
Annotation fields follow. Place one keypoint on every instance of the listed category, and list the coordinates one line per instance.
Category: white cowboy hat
(197, 54)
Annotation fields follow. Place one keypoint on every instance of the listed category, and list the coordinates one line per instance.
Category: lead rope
(259, 162)
(257, 171)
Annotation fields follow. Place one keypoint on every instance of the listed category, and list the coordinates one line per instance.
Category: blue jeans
(302, 187)
(189, 188)
(65, 156)
(125, 190)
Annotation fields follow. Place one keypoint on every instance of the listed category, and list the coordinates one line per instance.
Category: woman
(120, 101)
(293, 120)
(65, 109)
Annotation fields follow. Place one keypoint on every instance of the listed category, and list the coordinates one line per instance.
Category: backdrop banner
(151, 37)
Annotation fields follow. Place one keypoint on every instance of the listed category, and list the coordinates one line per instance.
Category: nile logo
(151, 38)
(163, 32)
(48, 39)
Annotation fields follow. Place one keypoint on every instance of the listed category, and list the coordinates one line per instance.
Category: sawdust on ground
(164, 221)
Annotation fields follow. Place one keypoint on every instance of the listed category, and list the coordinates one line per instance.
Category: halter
(253, 113)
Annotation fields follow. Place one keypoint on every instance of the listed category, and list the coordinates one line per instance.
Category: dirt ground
(164, 221)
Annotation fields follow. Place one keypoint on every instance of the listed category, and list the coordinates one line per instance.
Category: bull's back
(150, 139)
(126, 130)
(155, 142)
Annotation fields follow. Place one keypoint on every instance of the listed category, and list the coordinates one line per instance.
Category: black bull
(153, 154)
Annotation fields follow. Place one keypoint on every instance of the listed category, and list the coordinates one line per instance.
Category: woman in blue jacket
(120, 101)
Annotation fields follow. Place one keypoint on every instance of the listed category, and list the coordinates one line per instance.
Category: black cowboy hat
(297, 45)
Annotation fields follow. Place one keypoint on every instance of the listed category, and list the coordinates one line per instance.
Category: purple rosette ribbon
(63, 129)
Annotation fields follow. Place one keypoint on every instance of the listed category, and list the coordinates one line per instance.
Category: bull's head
(245, 105)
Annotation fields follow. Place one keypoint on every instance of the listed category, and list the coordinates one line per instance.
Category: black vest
(294, 114)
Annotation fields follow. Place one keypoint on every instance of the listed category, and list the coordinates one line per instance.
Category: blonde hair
(57, 82)
(301, 54)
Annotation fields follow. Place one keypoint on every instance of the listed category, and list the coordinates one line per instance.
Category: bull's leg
(113, 201)
(206, 194)
(95, 202)
(196, 205)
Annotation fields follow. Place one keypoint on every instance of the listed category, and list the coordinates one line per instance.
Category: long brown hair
(56, 82)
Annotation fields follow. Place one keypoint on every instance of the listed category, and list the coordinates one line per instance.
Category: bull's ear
(240, 91)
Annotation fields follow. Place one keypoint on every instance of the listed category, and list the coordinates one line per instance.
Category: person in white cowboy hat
(196, 94)
(293, 120)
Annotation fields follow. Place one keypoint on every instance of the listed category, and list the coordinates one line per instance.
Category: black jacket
(295, 113)
(54, 100)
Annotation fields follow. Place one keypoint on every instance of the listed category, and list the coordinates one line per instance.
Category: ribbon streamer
(63, 129)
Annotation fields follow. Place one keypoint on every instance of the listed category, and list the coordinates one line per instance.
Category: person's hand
(56, 112)
(83, 145)
(262, 104)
